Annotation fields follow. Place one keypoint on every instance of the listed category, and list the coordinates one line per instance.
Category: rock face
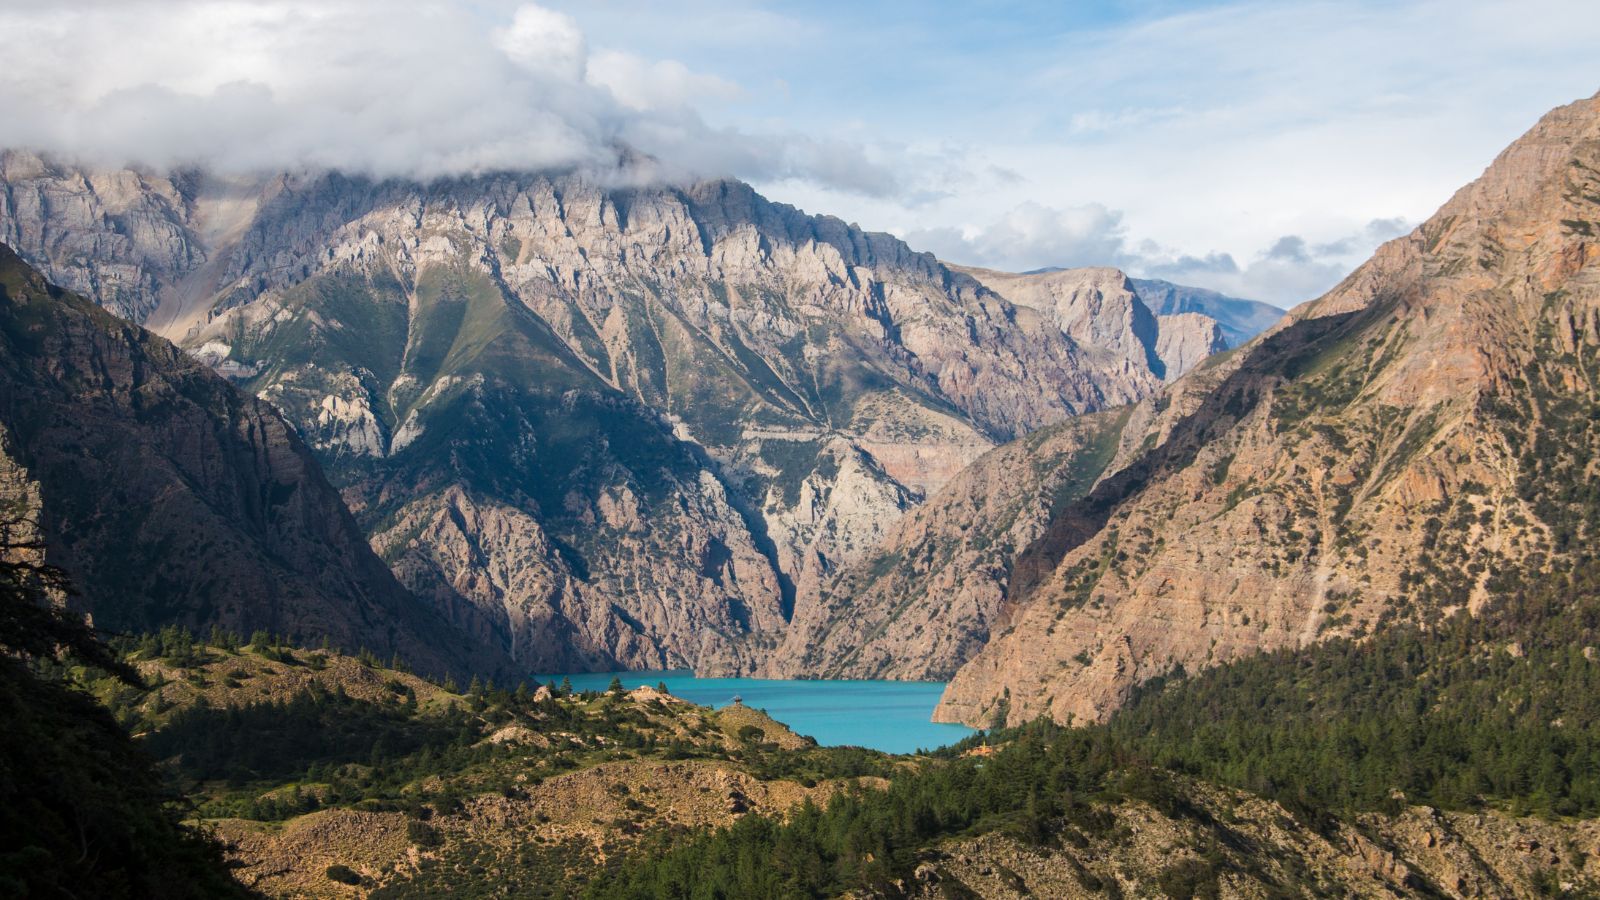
(1096, 307)
(1103, 311)
(1381, 455)
(170, 497)
(1186, 339)
(635, 427)
(926, 599)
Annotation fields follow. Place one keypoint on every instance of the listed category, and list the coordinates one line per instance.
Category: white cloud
(1289, 271)
(1032, 236)
(1214, 128)
(547, 43)
(1187, 139)
(421, 90)
(662, 84)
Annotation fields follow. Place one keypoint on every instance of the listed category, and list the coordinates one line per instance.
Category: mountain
(1240, 320)
(1104, 313)
(928, 598)
(924, 601)
(636, 427)
(1401, 448)
(169, 497)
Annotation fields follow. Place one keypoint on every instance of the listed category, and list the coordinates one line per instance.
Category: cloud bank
(414, 90)
(1032, 236)
(1242, 145)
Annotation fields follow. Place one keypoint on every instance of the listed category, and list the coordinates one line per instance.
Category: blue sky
(1263, 148)
(1258, 148)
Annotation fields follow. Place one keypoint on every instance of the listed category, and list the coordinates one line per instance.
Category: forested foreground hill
(83, 813)
(1457, 761)
(333, 774)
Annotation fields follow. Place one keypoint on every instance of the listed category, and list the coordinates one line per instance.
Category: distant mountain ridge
(925, 600)
(1240, 319)
(1102, 312)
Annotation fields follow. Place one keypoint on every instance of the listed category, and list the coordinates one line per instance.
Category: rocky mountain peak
(1097, 308)
(1367, 461)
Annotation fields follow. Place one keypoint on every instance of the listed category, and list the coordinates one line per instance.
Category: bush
(343, 874)
(1190, 878)
(422, 834)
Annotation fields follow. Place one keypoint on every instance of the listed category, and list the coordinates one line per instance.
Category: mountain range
(601, 428)
(688, 427)
(685, 426)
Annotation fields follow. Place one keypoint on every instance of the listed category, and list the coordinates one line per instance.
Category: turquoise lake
(891, 716)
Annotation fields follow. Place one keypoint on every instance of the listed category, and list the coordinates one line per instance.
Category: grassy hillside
(332, 774)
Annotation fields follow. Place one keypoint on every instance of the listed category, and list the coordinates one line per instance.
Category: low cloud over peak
(412, 90)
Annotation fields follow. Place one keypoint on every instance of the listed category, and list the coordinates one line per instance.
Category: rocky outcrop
(171, 498)
(928, 597)
(1103, 311)
(1365, 461)
(1185, 340)
(634, 427)
(1096, 307)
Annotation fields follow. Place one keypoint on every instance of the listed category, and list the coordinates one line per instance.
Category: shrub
(422, 834)
(343, 874)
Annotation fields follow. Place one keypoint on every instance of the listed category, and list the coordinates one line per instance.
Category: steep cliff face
(172, 498)
(925, 600)
(1095, 307)
(635, 426)
(1103, 312)
(1185, 340)
(931, 595)
(1385, 453)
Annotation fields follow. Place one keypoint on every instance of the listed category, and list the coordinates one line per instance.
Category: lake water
(891, 716)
